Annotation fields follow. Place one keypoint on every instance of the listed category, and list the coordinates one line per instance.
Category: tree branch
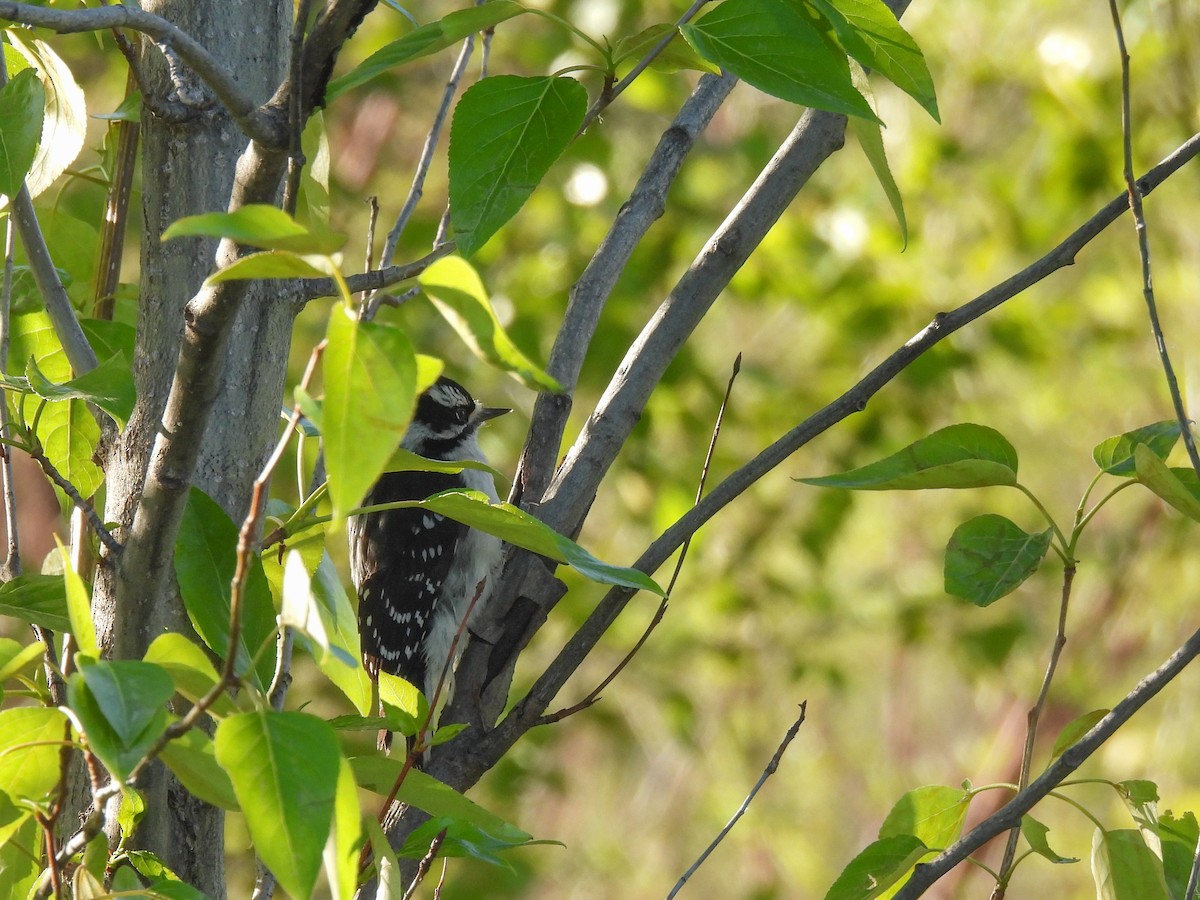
(259, 124)
(312, 288)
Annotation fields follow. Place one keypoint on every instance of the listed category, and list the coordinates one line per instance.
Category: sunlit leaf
(370, 391)
(774, 46)
(15, 657)
(64, 127)
(109, 386)
(284, 769)
(676, 55)
(29, 750)
(191, 670)
(1178, 486)
(877, 868)
(1036, 834)
(458, 293)
(989, 556)
(341, 852)
(871, 34)
(1124, 868)
(1114, 455)
(270, 264)
(933, 813)
(124, 714)
(256, 225)
(958, 456)
(22, 104)
(36, 599)
(506, 133)
(193, 759)
(425, 40)
(870, 139)
(1075, 729)
(79, 604)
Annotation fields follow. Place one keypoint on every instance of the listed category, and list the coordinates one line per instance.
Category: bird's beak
(483, 413)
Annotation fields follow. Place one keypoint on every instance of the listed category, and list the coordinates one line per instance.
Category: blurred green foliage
(796, 593)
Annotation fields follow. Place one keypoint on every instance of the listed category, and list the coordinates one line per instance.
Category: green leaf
(22, 106)
(1178, 486)
(675, 56)
(517, 527)
(109, 386)
(506, 133)
(301, 611)
(425, 40)
(14, 657)
(346, 837)
(79, 605)
(406, 461)
(284, 769)
(36, 599)
(205, 560)
(934, 814)
(64, 127)
(271, 264)
(1178, 837)
(990, 556)
(463, 839)
(1075, 729)
(193, 759)
(341, 627)
(870, 139)
(1035, 833)
(877, 868)
(958, 456)
(257, 225)
(1114, 455)
(1124, 868)
(314, 177)
(774, 46)
(871, 34)
(370, 391)
(455, 288)
(69, 436)
(107, 719)
(20, 860)
(29, 751)
(405, 705)
(190, 669)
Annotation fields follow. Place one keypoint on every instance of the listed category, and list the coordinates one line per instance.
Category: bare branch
(93, 518)
(770, 770)
(258, 124)
(312, 288)
(1009, 815)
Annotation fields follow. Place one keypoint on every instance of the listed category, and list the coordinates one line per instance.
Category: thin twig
(12, 560)
(295, 97)
(1031, 728)
(38, 455)
(417, 188)
(772, 766)
(1139, 224)
(423, 866)
(312, 288)
(594, 695)
(369, 250)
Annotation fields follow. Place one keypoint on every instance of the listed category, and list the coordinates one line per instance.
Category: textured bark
(189, 167)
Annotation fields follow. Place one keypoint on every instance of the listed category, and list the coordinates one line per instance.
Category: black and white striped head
(446, 418)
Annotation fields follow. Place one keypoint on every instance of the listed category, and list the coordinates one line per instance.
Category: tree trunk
(188, 167)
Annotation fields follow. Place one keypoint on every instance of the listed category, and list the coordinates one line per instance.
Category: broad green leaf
(1124, 868)
(774, 46)
(464, 839)
(257, 225)
(958, 456)
(64, 127)
(677, 55)
(370, 391)
(109, 386)
(455, 288)
(33, 336)
(271, 264)
(130, 811)
(933, 813)
(1114, 455)
(426, 40)
(1178, 837)
(1178, 486)
(22, 106)
(341, 627)
(20, 859)
(870, 139)
(1141, 799)
(407, 708)
(69, 436)
(1035, 833)
(1075, 729)
(284, 769)
(300, 610)
(29, 751)
(38, 600)
(314, 177)
(79, 605)
(14, 657)
(506, 133)
(871, 34)
(990, 556)
(340, 857)
(877, 868)
(193, 759)
(519, 528)
(387, 868)
(191, 671)
(205, 560)
(406, 461)
(120, 707)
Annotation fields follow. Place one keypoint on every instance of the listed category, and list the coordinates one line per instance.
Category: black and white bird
(416, 572)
